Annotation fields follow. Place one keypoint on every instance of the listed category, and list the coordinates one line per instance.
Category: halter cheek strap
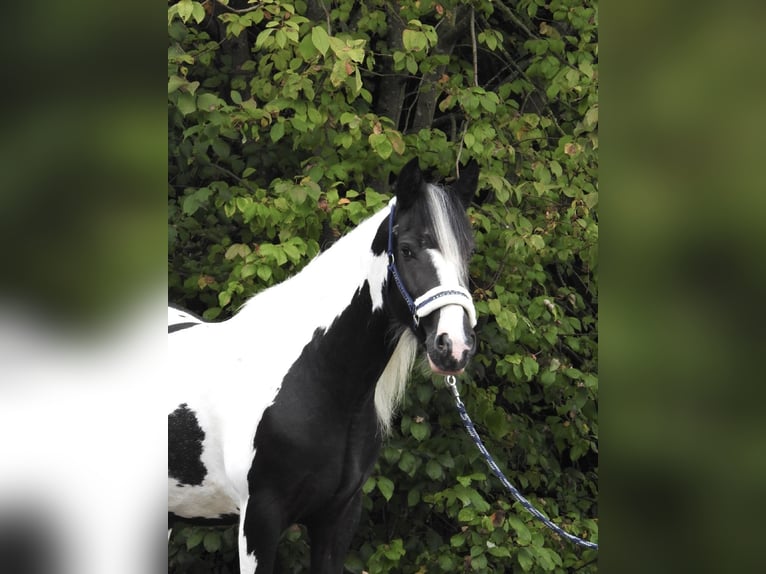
(432, 299)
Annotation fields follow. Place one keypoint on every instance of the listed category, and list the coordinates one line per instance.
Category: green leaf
(212, 541)
(277, 131)
(381, 145)
(198, 12)
(489, 103)
(499, 552)
(211, 314)
(530, 366)
(446, 563)
(434, 469)
(578, 450)
(264, 39)
(467, 514)
(237, 250)
(186, 103)
(195, 538)
(397, 141)
(591, 199)
(408, 463)
(293, 251)
(247, 270)
(297, 194)
(414, 41)
(479, 562)
(457, 540)
(264, 272)
(175, 82)
(419, 431)
(369, 485)
(522, 532)
(338, 46)
(221, 148)
(536, 242)
(185, 9)
(195, 200)
(507, 320)
(525, 559)
(307, 49)
(591, 118)
(208, 102)
(411, 64)
(386, 487)
(548, 378)
(280, 38)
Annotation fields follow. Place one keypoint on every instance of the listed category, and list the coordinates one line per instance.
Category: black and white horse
(277, 414)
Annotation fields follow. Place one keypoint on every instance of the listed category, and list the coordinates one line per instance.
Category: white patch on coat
(230, 372)
(178, 316)
(247, 561)
(451, 321)
(451, 317)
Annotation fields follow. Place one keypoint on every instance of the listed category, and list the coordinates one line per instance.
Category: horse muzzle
(452, 343)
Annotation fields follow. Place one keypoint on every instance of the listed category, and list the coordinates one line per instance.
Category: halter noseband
(432, 299)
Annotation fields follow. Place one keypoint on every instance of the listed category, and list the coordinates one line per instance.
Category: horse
(277, 414)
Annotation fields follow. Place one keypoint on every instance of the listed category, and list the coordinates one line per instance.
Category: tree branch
(426, 105)
(474, 50)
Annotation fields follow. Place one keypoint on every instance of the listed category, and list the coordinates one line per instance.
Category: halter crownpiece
(432, 299)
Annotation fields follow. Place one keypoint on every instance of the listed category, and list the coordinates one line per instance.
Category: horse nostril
(471, 341)
(443, 343)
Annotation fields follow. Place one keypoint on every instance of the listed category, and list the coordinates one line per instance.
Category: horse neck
(322, 290)
(342, 288)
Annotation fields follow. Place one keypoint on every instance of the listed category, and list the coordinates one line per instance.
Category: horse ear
(409, 184)
(466, 185)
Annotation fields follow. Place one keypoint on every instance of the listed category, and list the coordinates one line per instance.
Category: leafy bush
(286, 121)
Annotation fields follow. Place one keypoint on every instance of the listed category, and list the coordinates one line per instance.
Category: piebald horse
(277, 414)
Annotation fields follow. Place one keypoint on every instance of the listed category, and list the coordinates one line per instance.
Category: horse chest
(313, 461)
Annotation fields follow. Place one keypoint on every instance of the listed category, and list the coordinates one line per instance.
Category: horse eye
(406, 251)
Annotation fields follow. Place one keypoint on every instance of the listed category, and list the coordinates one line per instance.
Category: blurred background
(682, 277)
(82, 270)
(82, 287)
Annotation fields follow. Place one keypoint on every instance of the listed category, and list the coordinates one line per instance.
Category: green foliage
(285, 123)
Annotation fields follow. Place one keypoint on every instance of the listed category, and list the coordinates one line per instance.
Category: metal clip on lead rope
(451, 383)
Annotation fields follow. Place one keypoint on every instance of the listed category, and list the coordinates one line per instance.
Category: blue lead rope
(452, 385)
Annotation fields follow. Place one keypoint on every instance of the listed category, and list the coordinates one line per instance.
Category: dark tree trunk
(450, 32)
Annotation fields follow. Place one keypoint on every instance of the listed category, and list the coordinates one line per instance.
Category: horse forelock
(445, 220)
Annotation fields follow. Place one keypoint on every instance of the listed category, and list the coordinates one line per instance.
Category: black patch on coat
(223, 520)
(180, 326)
(28, 542)
(318, 442)
(185, 447)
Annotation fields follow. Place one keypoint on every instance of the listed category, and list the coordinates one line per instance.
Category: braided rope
(452, 385)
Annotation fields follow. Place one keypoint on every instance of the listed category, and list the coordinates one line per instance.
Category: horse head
(429, 248)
